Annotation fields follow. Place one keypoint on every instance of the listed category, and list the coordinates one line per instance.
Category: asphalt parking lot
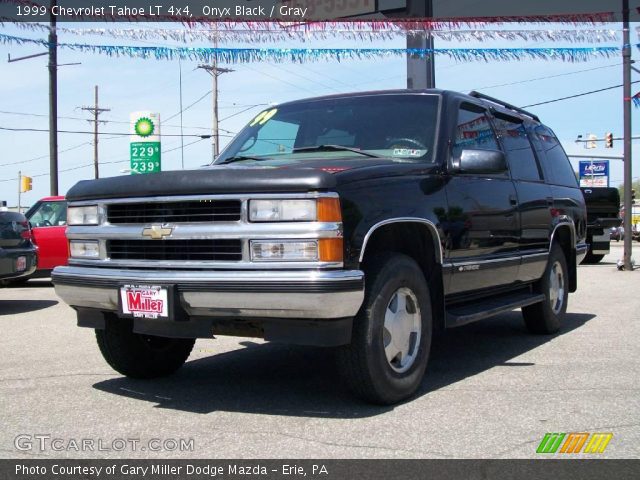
(491, 389)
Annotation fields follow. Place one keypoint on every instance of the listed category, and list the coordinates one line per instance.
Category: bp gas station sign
(144, 148)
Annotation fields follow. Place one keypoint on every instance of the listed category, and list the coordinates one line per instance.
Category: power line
(99, 133)
(240, 112)
(44, 156)
(78, 167)
(189, 106)
(577, 95)
(546, 77)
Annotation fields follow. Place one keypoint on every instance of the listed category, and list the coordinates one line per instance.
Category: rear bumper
(277, 303)
(581, 252)
(8, 258)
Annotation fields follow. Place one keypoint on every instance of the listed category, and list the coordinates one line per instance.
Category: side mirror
(480, 161)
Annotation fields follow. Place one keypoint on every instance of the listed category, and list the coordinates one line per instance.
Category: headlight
(284, 251)
(282, 210)
(82, 215)
(324, 209)
(84, 249)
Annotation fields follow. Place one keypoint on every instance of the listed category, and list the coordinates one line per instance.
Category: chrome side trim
(564, 222)
(432, 229)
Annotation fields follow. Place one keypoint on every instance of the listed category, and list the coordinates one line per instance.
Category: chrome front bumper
(314, 294)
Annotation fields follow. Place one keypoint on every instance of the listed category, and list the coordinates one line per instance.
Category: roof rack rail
(476, 94)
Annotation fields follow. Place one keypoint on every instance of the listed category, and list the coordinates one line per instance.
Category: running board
(457, 316)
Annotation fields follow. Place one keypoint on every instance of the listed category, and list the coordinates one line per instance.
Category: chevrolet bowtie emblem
(156, 232)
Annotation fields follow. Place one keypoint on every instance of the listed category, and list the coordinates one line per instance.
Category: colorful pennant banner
(237, 35)
(299, 55)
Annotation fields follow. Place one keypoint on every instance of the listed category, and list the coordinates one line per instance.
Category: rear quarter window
(556, 166)
(516, 145)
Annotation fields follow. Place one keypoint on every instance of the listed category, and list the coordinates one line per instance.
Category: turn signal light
(330, 249)
(329, 210)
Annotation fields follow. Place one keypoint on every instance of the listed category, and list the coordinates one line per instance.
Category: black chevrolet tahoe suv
(363, 221)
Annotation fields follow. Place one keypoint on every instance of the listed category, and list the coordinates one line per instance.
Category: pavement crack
(352, 445)
(41, 377)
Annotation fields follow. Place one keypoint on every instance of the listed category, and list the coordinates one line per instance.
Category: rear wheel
(546, 317)
(389, 350)
(591, 258)
(141, 356)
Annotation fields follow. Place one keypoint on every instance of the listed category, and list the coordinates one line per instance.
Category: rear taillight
(26, 233)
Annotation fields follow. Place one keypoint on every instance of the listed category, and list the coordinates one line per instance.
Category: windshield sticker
(408, 152)
(263, 117)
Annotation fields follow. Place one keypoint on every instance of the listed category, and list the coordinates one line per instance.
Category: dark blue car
(18, 256)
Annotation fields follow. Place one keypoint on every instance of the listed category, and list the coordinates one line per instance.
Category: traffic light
(608, 140)
(633, 196)
(25, 184)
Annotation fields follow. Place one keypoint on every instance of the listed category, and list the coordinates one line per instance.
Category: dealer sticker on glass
(144, 301)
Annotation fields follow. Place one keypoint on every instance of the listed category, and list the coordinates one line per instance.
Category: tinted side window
(516, 145)
(555, 164)
(473, 131)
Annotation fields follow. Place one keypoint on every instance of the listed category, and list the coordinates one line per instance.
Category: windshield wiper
(241, 158)
(334, 148)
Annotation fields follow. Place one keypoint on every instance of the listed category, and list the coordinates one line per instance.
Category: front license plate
(145, 301)
(21, 264)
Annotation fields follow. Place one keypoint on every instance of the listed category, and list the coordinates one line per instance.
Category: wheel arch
(564, 234)
(419, 239)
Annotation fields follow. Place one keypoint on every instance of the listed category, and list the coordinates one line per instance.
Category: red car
(48, 218)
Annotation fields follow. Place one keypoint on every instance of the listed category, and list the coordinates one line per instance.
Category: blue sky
(128, 85)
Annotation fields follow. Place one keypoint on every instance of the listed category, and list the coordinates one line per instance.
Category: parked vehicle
(361, 221)
(48, 218)
(616, 233)
(603, 213)
(17, 252)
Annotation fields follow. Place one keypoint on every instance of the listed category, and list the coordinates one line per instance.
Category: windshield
(398, 127)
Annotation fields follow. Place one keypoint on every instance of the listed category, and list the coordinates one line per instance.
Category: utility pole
(96, 110)
(626, 74)
(215, 72)
(53, 102)
(19, 189)
(421, 72)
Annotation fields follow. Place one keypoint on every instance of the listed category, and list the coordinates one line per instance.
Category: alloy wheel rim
(556, 287)
(402, 330)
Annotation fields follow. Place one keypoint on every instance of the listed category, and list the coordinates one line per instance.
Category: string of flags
(231, 33)
(299, 55)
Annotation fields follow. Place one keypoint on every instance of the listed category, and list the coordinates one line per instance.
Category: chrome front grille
(175, 250)
(196, 232)
(194, 211)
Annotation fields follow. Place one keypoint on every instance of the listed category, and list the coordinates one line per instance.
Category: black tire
(141, 356)
(546, 317)
(363, 364)
(592, 259)
(14, 282)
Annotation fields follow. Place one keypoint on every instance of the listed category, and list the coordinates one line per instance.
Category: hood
(210, 180)
(242, 177)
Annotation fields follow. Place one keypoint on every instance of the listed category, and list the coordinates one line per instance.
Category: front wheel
(141, 356)
(391, 339)
(546, 317)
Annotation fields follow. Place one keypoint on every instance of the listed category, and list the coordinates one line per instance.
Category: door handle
(513, 200)
(550, 201)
